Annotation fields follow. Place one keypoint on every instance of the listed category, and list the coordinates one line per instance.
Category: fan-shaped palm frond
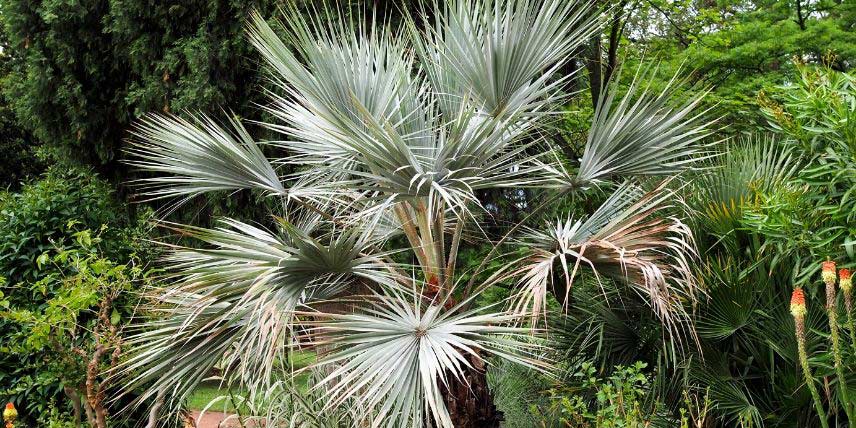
(201, 156)
(734, 402)
(400, 355)
(350, 93)
(501, 56)
(626, 239)
(643, 133)
(233, 302)
(602, 326)
(359, 113)
(732, 303)
(736, 175)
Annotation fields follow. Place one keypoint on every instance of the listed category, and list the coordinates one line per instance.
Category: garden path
(215, 420)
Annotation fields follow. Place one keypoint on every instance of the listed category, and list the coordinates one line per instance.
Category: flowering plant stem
(848, 306)
(845, 282)
(836, 347)
(798, 310)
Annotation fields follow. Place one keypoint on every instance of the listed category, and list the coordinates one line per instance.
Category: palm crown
(393, 133)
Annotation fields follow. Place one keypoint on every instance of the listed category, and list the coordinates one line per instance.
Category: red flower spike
(844, 279)
(798, 303)
(827, 272)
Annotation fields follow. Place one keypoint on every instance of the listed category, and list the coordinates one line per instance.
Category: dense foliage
(740, 47)
(767, 213)
(20, 160)
(59, 239)
(85, 70)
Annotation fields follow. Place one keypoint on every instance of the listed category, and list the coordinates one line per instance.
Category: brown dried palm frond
(630, 238)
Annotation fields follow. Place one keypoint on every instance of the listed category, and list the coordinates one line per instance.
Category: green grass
(210, 390)
(207, 392)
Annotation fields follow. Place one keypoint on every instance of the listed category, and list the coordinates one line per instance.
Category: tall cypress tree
(88, 68)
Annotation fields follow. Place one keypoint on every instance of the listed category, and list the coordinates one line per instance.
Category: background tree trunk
(595, 68)
(601, 69)
(72, 395)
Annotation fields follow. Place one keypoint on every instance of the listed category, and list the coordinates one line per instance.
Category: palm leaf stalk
(798, 310)
(829, 277)
(392, 134)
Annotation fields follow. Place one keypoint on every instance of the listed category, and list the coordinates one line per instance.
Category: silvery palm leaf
(644, 132)
(400, 354)
(200, 156)
(232, 302)
(501, 57)
(358, 109)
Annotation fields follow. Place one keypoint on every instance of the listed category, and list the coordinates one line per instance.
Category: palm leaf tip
(644, 132)
(198, 156)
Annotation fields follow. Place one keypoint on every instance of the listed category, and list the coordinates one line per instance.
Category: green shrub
(621, 399)
(37, 215)
(813, 215)
(63, 210)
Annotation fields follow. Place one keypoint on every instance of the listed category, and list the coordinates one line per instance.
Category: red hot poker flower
(844, 279)
(798, 303)
(827, 272)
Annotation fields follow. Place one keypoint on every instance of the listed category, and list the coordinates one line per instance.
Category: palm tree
(389, 135)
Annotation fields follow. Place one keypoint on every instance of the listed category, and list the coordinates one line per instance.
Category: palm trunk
(470, 403)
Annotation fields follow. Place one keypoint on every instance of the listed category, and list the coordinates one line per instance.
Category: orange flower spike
(844, 279)
(830, 277)
(798, 303)
(798, 310)
(845, 282)
(827, 272)
(10, 414)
